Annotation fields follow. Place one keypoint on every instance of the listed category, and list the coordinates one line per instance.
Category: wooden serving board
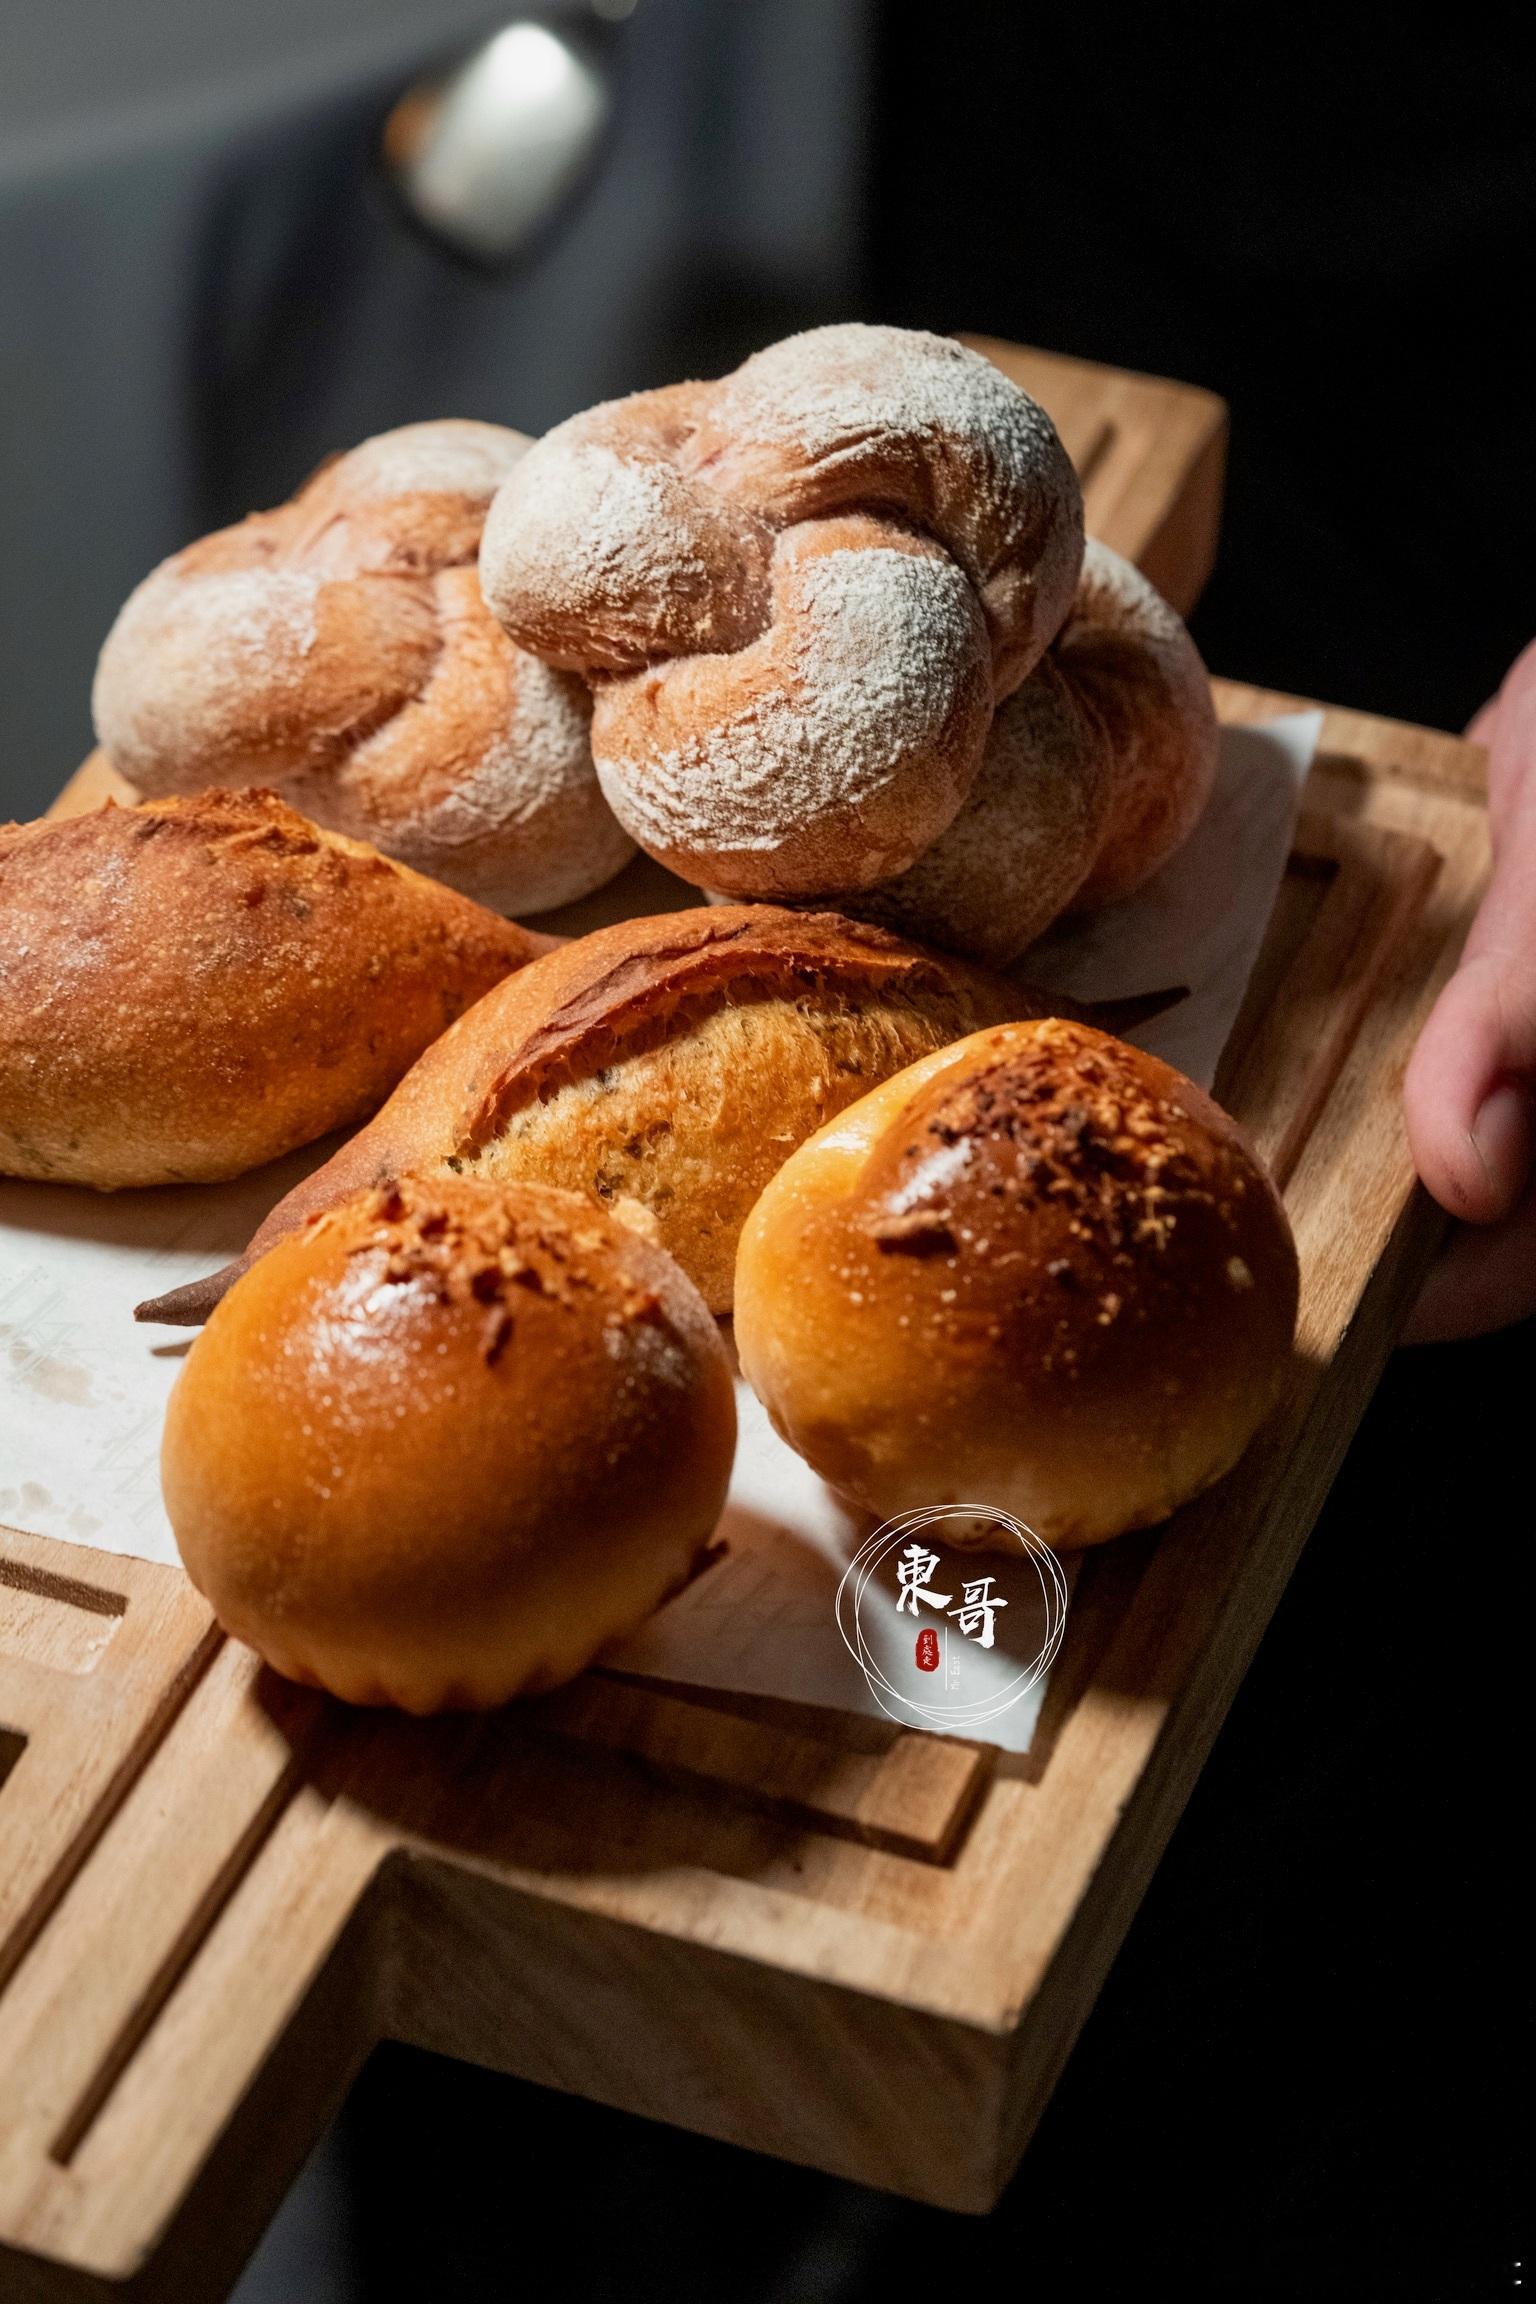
(808, 1933)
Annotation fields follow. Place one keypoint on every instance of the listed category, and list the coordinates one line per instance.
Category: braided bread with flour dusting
(338, 649)
(1094, 774)
(799, 594)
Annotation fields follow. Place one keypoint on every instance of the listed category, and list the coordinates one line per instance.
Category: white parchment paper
(83, 1387)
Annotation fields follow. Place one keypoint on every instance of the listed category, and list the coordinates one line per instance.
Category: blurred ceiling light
(484, 157)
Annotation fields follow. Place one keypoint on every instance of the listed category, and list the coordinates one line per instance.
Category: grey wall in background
(204, 289)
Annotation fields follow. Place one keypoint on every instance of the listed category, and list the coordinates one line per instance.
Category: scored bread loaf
(192, 987)
(339, 649)
(675, 1061)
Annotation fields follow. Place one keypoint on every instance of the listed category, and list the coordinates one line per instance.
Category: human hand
(1470, 1089)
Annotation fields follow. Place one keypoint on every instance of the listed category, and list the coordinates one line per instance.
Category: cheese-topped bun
(444, 1443)
(1039, 1271)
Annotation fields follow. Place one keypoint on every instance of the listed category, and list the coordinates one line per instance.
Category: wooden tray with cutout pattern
(805, 1932)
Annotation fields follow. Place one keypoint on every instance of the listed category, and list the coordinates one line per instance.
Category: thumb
(1468, 1089)
(1468, 1106)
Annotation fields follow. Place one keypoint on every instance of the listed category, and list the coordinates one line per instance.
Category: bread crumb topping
(1079, 1128)
(486, 1251)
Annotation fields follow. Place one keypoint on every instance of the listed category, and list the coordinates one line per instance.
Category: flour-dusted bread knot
(669, 1063)
(339, 649)
(1094, 773)
(799, 593)
(1019, 849)
(191, 987)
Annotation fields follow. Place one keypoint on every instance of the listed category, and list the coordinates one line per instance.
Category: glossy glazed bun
(1039, 1271)
(442, 1445)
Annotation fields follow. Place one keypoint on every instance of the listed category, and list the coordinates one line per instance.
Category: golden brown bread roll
(675, 1061)
(447, 1441)
(339, 648)
(1094, 773)
(191, 987)
(799, 591)
(1040, 1272)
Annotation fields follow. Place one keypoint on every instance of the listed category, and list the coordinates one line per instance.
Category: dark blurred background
(205, 286)
(1301, 2078)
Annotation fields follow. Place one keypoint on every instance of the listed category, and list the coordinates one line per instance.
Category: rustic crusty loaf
(191, 987)
(1094, 773)
(447, 1441)
(1041, 1272)
(675, 1061)
(339, 649)
(800, 591)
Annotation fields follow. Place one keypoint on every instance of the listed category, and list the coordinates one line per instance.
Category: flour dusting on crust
(340, 649)
(452, 457)
(803, 761)
(809, 423)
(645, 537)
(1022, 844)
(183, 656)
(528, 827)
(603, 561)
(1133, 666)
